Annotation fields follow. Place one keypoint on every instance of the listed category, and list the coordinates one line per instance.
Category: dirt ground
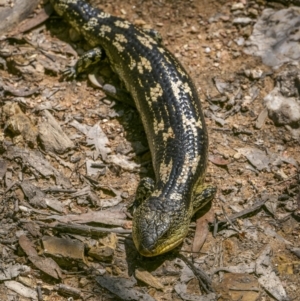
(203, 36)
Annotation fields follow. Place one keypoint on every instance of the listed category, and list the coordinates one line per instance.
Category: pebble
(253, 73)
(242, 20)
(218, 45)
(240, 41)
(194, 29)
(237, 155)
(237, 6)
(256, 74)
(225, 18)
(236, 54)
(253, 12)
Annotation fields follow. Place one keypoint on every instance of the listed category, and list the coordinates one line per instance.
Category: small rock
(282, 110)
(240, 41)
(253, 73)
(242, 20)
(253, 12)
(124, 195)
(256, 74)
(110, 240)
(194, 29)
(246, 31)
(218, 45)
(261, 119)
(290, 206)
(225, 18)
(275, 36)
(102, 253)
(236, 54)
(237, 6)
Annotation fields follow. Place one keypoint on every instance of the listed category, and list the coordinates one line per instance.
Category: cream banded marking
(140, 83)
(184, 172)
(132, 63)
(146, 41)
(121, 38)
(103, 15)
(144, 64)
(119, 47)
(158, 126)
(168, 134)
(103, 30)
(176, 196)
(187, 89)
(165, 170)
(122, 24)
(156, 92)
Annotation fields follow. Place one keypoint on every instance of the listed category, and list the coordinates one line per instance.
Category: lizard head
(157, 228)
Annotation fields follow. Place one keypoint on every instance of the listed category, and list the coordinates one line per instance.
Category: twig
(204, 281)
(230, 219)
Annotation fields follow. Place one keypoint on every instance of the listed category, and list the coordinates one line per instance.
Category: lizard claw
(69, 72)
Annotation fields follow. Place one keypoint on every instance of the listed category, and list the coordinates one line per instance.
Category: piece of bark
(35, 196)
(63, 248)
(53, 138)
(123, 288)
(147, 278)
(14, 15)
(104, 254)
(21, 289)
(202, 230)
(47, 265)
(19, 124)
(38, 163)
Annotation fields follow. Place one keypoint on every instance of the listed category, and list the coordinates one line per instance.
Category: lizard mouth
(158, 250)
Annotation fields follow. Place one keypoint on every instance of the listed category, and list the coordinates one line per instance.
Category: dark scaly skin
(171, 114)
